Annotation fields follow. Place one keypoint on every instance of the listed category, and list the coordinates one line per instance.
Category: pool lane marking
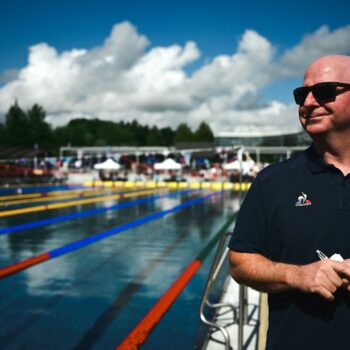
(59, 195)
(18, 196)
(45, 197)
(24, 264)
(91, 336)
(28, 189)
(99, 326)
(123, 298)
(142, 330)
(82, 214)
(55, 253)
(13, 197)
(73, 203)
(97, 329)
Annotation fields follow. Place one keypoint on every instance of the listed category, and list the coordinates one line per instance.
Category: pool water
(91, 298)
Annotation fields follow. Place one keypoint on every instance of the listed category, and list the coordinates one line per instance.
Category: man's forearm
(260, 273)
(323, 277)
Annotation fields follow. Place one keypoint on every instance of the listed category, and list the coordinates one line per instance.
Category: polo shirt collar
(314, 161)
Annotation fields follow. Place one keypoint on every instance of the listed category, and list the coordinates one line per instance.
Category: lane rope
(24, 264)
(73, 203)
(22, 196)
(85, 213)
(142, 330)
(52, 196)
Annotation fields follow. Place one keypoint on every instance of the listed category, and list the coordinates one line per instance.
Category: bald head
(328, 68)
(326, 111)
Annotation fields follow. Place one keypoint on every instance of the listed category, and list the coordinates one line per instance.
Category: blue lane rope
(99, 236)
(38, 259)
(25, 226)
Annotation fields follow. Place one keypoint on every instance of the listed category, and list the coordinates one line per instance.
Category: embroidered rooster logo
(303, 201)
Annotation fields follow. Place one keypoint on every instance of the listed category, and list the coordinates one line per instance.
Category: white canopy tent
(168, 164)
(109, 164)
(245, 166)
(235, 165)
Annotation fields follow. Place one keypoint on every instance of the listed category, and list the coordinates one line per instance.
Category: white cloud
(126, 79)
(322, 42)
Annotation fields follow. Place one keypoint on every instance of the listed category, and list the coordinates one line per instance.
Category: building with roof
(259, 138)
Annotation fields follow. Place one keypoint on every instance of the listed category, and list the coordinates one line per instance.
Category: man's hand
(346, 281)
(323, 277)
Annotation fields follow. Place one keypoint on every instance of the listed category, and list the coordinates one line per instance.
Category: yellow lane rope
(78, 202)
(47, 194)
(57, 197)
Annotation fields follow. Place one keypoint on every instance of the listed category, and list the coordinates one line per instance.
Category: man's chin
(313, 129)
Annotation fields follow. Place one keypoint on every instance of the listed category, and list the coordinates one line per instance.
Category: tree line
(29, 129)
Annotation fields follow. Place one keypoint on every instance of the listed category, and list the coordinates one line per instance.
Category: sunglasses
(323, 92)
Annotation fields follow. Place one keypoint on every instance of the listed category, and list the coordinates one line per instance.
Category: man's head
(325, 108)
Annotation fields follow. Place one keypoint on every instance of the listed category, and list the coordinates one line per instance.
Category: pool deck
(253, 331)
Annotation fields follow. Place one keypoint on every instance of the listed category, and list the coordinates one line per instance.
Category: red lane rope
(140, 333)
(9, 270)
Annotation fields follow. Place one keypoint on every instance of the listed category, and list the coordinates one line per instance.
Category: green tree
(154, 137)
(16, 127)
(40, 132)
(2, 134)
(183, 134)
(203, 133)
(167, 136)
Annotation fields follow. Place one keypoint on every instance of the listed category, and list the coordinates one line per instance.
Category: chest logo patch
(303, 201)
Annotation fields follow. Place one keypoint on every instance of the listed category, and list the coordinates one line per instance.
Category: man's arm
(323, 277)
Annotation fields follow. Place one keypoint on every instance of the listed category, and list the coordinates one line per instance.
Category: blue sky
(217, 28)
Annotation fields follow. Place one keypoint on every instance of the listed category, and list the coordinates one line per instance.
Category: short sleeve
(249, 234)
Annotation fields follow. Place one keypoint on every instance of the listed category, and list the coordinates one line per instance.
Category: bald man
(292, 236)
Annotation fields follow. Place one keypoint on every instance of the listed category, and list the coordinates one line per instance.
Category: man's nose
(310, 100)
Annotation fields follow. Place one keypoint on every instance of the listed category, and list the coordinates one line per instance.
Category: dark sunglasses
(323, 92)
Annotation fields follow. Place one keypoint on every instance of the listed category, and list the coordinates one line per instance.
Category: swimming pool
(114, 263)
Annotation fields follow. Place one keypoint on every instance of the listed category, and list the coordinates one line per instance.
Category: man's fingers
(341, 268)
(326, 294)
(336, 281)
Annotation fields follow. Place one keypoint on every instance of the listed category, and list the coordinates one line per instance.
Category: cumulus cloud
(8, 75)
(322, 42)
(126, 78)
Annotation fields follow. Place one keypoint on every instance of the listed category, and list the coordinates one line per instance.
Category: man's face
(318, 117)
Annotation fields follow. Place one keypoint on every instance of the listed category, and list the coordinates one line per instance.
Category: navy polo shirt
(292, 209)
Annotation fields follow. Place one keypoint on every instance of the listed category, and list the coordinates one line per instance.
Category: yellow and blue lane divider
(85, 213)
(51, 196)
(33, 195)
(77, 202)
(55, 253)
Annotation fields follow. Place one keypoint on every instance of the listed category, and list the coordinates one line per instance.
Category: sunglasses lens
(300, 94)
(324, 92)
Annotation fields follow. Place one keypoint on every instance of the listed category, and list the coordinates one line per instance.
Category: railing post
(241, 318)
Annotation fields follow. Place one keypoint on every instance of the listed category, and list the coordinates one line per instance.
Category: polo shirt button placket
(343, 202)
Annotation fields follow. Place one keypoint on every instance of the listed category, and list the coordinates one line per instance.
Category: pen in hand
(322, 256)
